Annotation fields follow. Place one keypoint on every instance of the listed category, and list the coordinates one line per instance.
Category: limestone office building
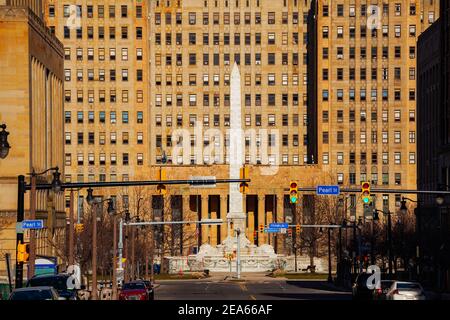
(335, 99)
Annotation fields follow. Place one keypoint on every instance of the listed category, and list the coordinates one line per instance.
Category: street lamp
(4, 145)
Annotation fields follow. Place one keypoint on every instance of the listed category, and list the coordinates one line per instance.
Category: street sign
(283, 230)
(272, 230)
(279, 225)
(199, 181)
(19, 228)
(211, 221)
(32, 224)
(327, 190)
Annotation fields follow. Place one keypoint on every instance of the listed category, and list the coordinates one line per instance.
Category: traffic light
(365, 193)
(261, 228)
(23, 252)
(375, 215)
(243, 186)
(289, 232)
(79, 227)
(161, 188)
(293, 192)
(297, 229)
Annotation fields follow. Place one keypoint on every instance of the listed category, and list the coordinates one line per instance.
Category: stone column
(213, 230)
(251, 226)
(269, 221)
(204, 229)
(278, 245)
(261, 218)
(224, 228)
(188, 230)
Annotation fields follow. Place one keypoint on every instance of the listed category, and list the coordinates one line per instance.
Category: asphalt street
(248, 290)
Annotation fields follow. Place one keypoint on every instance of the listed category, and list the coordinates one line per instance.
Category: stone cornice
(8, 13)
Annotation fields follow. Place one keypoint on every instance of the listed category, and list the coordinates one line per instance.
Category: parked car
(134, 290)
(380, 293)
(150, 289)
(35, 293)
(360, 291)
(59, 282)
(402, 290)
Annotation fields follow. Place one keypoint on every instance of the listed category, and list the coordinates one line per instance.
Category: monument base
(253, 259)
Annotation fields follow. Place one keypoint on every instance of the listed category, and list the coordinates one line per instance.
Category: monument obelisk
(236, 213)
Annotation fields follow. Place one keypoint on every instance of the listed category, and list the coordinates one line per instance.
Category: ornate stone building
(366, 91)
(31, 105)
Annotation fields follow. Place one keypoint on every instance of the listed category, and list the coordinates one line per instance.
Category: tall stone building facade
(147, 87)
(31, 105)
(366, 92)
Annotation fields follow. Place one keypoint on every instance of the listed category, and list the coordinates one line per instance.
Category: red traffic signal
(293, 185)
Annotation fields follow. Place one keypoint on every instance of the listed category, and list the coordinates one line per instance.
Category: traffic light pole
(19, 235)
(32, 256)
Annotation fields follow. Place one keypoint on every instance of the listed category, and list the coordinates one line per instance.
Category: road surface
(248, 290)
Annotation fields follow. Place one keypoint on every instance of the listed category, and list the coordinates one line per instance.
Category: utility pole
(19, 235)
(372, 244)
(389, 226)
(71, 229)
(330, 278)
(94, 250)
(114, 284)
(32, 257)
(238, 254)
(132, 254)
(120, 245)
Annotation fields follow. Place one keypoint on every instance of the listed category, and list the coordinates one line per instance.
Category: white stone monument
(253, 258)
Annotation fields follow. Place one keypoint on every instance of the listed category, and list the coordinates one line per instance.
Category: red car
(135, 290)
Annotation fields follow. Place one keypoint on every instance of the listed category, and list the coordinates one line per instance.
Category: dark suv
(59, 282)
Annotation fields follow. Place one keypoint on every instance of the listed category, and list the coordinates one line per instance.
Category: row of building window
(340, 74)
(258, 101)
(374, 180)
(207, 80)
(102, 96)
(340, 34)
(374, 158)
(102, 138)
(206, 159)
(373, 52)
(101, 54)
(339, 137)
(102, 159)
(373, 94)
(366, 10)
(237, 37)
(226, 18)
(90, 34)
(192, 59)
(363, 115)
(102, 117)
(271, 120)
(101, 75)
(70, 9)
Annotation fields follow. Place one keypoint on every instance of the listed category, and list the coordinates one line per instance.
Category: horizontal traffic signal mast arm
(379, 190)
(48, 186)
(112, 184)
